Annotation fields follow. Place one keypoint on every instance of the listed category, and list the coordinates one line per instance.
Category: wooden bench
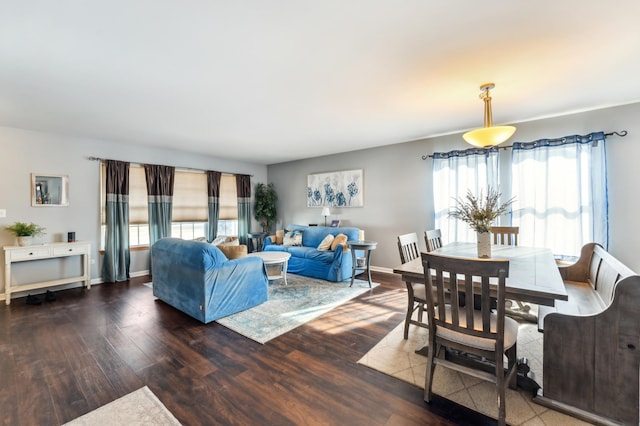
(591, 354)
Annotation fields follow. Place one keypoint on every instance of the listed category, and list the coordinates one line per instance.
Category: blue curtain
(213, 190)
(116, 261)
(454, 174)
(160, 198)
(560, 187)
(243, 187)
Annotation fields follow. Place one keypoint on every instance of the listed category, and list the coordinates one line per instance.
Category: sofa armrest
(234, 286)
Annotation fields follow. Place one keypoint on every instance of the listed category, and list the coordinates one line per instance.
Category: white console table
(13, 254)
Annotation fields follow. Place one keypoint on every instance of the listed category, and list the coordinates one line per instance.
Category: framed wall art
(49, 190)
(336, 189)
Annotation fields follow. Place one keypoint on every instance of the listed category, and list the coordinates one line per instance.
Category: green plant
(23, 229)
(480, 212)
(265, 205)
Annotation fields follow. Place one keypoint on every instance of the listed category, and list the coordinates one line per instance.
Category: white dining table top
(533, 274)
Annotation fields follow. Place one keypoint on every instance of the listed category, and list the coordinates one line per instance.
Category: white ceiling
(279, 80)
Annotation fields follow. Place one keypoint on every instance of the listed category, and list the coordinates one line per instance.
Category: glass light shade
(489, 136)
(325, 212)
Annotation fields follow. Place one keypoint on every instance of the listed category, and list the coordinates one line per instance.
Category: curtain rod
(180, 168)
(621, 133)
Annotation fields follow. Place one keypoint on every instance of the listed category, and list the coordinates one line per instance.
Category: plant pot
(484, 245)
(25, 241)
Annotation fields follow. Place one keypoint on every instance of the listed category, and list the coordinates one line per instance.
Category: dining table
(534, 276)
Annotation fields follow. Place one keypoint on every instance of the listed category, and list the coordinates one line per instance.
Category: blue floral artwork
(335, 189)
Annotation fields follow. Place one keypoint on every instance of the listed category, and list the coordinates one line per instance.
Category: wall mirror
(49, 190)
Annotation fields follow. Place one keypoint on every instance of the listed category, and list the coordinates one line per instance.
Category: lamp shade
(325, 212)
(489, 136)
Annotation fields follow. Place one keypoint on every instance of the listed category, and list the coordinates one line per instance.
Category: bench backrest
(604, 273)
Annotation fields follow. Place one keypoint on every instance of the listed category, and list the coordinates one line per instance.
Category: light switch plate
(3, 212)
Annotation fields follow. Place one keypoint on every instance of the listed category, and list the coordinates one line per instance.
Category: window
(559, 186)
(188, 230)
(560, 190)
(454, 174)
(227, 227)
(190, 206)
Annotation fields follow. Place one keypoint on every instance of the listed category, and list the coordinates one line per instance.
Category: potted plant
(479, 213)
(25, 232)
(265, 205)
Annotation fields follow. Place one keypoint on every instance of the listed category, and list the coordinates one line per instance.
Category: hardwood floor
(62, 359)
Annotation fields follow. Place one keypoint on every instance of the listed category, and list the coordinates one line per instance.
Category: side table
(277, 258)
(361, 263)
(259, 237)
(14, 254)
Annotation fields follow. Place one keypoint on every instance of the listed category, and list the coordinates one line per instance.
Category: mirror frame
(58, 185)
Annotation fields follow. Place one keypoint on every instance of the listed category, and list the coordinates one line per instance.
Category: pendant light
(489, 135)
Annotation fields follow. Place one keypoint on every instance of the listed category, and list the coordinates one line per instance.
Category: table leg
(7, 282)
(369, 266)
(354, 263)
(284, 271)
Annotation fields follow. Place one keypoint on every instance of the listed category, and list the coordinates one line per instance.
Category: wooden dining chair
(433, 239)
(508, 236)
(505, 235)
(482, 332)
(416, 298)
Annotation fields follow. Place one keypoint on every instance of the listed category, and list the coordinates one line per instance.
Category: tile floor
(396, 357)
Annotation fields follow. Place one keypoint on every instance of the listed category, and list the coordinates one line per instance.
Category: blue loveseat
(196, 278)
(307, 260)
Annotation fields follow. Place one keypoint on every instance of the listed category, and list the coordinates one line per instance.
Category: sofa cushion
(292, 238)
(339, 240)
(279, 236)
(303, 252)
(233, 252)
(325, 244)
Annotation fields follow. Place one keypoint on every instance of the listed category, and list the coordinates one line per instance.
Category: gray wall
(24, 152)
(397, 182)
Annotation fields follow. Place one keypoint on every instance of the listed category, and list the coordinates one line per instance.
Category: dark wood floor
(62, 359)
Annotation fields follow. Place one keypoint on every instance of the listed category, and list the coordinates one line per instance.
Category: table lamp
(325, 213)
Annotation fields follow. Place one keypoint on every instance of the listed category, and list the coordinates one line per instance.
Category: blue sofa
(307, 260)
(196, 278)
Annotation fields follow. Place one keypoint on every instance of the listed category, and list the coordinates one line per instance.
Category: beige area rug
(289, 306)
(396, 357)
(138, 408)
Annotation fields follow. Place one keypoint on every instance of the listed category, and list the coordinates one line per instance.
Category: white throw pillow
(325, 244)
(231, 242)
(219, 240)
(293, 238)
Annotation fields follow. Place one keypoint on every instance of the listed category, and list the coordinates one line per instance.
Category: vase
(25, 241)
(484, 245)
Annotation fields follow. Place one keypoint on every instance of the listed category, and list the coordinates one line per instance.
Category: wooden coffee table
(274, 258)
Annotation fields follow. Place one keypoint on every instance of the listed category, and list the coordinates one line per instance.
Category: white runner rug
(138, 408)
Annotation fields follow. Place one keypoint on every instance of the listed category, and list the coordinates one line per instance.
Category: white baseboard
(94, 281)
(381, 269)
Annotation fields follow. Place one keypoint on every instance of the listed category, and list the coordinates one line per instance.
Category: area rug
(292, 305)
(140, 407)
(396, 357)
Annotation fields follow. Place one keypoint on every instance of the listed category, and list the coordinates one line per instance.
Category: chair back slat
(408, 247)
